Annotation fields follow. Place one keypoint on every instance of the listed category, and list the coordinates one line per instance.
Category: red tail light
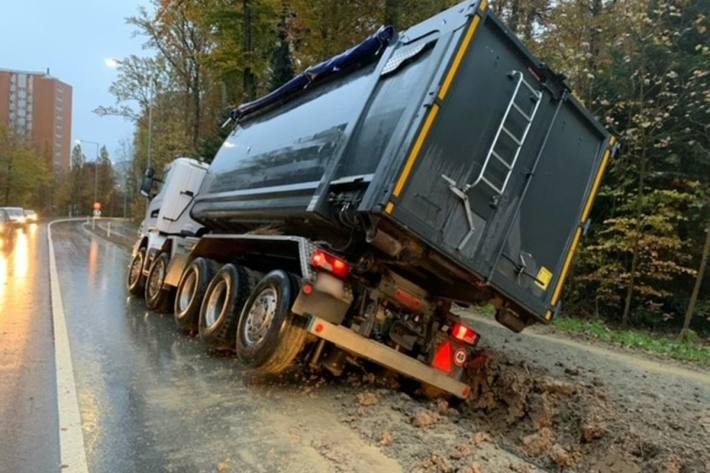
(465, 334)
(327, 262)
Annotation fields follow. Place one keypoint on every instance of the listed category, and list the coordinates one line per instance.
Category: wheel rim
(134, 273)
(260, 316)
(216, 303)
(156, 278)
(187, 291)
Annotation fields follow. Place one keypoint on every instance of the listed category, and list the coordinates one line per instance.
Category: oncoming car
(30, 216)
(17, 215)
(5, 226)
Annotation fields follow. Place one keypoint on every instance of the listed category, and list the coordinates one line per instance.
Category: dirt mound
(571, 425)
(522, 419)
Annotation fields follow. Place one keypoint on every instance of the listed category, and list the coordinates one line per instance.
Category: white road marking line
(71, 438)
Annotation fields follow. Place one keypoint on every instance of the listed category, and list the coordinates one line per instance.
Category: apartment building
(38, 107)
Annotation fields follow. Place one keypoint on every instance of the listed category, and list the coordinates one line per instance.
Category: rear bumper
(386, 356)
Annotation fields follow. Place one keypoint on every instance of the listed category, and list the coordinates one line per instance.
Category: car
(17, 215)
(5, 226)
(30, 216)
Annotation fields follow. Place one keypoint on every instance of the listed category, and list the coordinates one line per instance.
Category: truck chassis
(322, 307)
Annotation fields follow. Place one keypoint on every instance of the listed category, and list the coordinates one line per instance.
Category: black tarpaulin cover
(353, 57)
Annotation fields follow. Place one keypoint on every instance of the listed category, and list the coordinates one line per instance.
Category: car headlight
(21, 219)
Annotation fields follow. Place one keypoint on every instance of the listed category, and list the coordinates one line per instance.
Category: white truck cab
(168, 212)
(167, 231)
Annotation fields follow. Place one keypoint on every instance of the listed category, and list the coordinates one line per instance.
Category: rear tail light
(465, 334)
(336, 266)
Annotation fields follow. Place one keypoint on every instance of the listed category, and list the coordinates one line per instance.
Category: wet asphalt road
(150, 399)
(28, 401)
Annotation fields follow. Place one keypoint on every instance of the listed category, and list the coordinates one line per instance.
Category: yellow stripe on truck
(416, 150)
(565, 268)
(458, 59)
(595, 187)
(443, 91)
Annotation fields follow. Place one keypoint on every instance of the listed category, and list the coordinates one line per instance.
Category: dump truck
(351, 209)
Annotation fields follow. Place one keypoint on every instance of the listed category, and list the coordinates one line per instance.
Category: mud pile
(522, 420)
(563, 424)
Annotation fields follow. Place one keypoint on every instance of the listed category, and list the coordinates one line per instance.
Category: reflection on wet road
(154, 400)
(28, 417)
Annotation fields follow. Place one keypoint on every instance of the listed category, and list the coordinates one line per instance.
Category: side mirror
(147, 183)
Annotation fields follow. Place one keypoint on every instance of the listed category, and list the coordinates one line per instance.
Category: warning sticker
(544, 276)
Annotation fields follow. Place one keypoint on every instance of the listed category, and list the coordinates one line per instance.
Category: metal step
(512, 136)
(502, 161)
(521, 112)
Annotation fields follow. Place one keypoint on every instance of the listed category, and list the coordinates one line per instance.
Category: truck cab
(167, 229)
(168, 212)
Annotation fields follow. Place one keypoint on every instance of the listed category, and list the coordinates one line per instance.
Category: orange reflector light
(443, 360)
(408, 300)
(320, 328)
(464, 334)
(308, 289)
(336, 266)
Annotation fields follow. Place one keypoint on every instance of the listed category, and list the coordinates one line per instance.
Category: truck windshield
(14, 211)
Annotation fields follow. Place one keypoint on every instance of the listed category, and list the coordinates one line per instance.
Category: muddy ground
(547, 404)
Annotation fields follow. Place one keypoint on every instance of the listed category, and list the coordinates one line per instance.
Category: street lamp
(112, 62)
(96, 165)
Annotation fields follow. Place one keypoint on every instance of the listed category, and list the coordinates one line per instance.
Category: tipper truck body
(351, 208)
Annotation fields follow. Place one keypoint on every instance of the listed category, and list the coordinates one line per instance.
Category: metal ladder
(527, 118)
(462, 192)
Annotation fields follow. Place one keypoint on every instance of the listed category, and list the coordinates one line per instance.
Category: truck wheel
(269, 336)
(190, 293)
(156, 297)
(136, 280)
(221, 305)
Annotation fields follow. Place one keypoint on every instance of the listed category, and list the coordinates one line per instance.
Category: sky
(73, 38)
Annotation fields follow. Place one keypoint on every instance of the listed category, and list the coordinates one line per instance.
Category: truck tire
(269, 335)
(158, 298)
(223, 301)
(135, 281)
(190, 292)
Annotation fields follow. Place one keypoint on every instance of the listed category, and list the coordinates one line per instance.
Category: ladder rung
(537, 93)
(512, 136)
(502, 161)
(491, 185)
(520, 111)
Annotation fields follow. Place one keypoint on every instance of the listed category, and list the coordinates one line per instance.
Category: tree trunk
(249, 89)
(515, 14)
(197, 104)
(696, 288)
(8, 184)
(392, 10)
(637, 236)
(595, 41)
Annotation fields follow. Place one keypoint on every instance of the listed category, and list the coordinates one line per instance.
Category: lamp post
(96, 165)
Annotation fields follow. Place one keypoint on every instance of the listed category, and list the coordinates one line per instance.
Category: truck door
(181, 185)
(484, 130)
